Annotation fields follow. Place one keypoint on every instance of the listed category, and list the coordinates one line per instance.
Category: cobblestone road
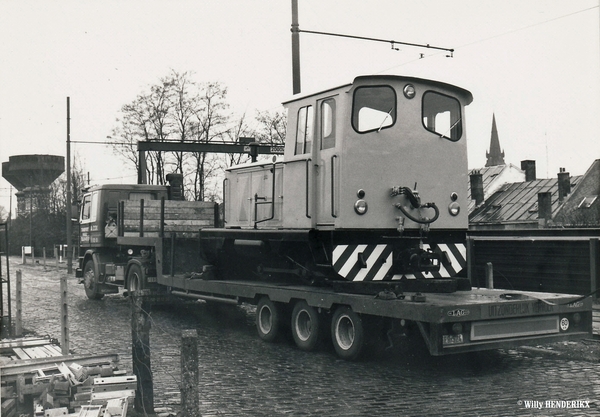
(243, 376)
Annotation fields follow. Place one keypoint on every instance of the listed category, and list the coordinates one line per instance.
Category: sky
(533, 64)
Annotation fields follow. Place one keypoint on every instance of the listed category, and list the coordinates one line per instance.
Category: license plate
(452, 339)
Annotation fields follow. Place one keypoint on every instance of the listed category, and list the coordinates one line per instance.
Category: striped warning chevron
(374, 262)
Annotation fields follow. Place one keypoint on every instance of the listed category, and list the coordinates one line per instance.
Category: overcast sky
(535, 64)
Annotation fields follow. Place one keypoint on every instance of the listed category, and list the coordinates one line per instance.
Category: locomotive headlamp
(361, 207)
(453, 196)
(576, 318)
(360, 193)
(129, 252)
(409, 91)
(454, 208)
(457, 328)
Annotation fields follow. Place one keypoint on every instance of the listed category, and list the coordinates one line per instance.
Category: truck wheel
(347, 333)
(90, 281)
(268, 320)
(135, 278)
(306, 326)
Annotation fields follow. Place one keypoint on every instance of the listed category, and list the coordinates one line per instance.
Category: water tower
(32, 175)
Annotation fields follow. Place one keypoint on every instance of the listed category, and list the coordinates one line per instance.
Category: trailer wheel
(347, 333)
(135, 278)
(306, 326)
(268, 320)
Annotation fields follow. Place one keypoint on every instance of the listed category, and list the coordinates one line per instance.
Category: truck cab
(98, 215)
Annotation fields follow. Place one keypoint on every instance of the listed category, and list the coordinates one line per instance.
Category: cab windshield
(442, 115)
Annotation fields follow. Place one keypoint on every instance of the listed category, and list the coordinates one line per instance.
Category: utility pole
(69, 197)
(295, 48)
(64, 317)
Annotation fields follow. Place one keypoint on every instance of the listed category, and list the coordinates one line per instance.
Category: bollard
(56, 255)
(489, 275)
(18, 298)
(189, 373)
(140, 346)
(44, 255)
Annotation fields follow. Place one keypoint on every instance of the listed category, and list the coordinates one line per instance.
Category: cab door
(327, 164)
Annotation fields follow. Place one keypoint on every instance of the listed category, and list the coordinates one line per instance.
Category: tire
(136, 280)
(306, 326)
(347, 333)
(268, 320)
(90, 281)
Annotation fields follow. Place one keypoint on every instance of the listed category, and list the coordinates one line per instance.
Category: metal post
(594, 265)
(44, 255)
(469, 260)
(19, 296)
(295, 48)
(489, 275)
(142, 178)
(189, 373)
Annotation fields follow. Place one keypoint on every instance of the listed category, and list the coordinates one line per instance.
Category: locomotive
(371, 188)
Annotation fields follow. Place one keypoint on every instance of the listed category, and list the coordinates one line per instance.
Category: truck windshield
(442, 116)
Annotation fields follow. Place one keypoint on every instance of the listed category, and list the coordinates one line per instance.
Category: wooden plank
(36, 352)
(115, 383)
(21, 353)
(116, 407)
(115, 380)
(9, 344)
(103, 397)
(169, 225)
(55, 350)
(90, 410)
(24, 366)
(55, 412)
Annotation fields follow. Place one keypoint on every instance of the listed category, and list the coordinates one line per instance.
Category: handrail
(308, 161)
(333, 186)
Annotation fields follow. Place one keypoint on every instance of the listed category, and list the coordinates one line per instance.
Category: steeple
(495, 156)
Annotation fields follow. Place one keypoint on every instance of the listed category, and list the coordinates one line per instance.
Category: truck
(334, 239)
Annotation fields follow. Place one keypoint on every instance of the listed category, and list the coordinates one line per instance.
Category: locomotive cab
(378, 166)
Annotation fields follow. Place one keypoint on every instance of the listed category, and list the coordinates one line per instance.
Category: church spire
(495, 156)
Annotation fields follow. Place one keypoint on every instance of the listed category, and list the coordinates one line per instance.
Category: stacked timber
(35, 370)
(183, 218)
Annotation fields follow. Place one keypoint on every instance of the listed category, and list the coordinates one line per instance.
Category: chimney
(545, 206)
(528, 166)
(476, 178)
(564, 184)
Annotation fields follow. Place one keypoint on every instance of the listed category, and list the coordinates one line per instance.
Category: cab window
(374, 108)
(89, 208)
(304, 131)
(441, 115)
(328, 124)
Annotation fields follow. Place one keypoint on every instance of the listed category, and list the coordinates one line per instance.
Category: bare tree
(271, 127)
(177, 109)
